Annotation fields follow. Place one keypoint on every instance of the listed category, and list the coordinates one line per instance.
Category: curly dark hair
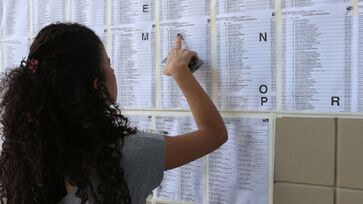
(57, 125)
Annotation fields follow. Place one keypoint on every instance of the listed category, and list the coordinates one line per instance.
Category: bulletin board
(262, 60)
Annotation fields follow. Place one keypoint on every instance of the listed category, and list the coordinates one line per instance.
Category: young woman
(65, 140)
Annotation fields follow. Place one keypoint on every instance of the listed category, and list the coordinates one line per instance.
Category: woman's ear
(95, 82)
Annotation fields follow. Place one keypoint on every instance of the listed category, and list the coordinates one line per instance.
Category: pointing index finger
(178, 41)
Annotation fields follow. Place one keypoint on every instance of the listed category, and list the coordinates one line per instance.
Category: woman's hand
(178, 58)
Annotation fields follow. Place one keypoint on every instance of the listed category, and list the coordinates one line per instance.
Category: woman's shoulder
(143, 143)
(144, 137)
(148, 133)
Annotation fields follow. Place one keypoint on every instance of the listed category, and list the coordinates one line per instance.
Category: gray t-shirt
(144, 163)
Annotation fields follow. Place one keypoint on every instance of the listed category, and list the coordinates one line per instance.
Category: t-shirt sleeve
(144, 163)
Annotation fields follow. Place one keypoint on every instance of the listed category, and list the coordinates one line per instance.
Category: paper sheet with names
(91, 13)
(245, 47)
(130, 11)
(176, 10)
(133, 59)
(46, 12)
(241, 6)
(307, 3)
(14, 50)
(186, 183)
(133, 53)
(14, 20)
(191, 19)
(316, 63)
(358, 60)
(238, 170)
(1, 15)
(196, 35)
(14, 33)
